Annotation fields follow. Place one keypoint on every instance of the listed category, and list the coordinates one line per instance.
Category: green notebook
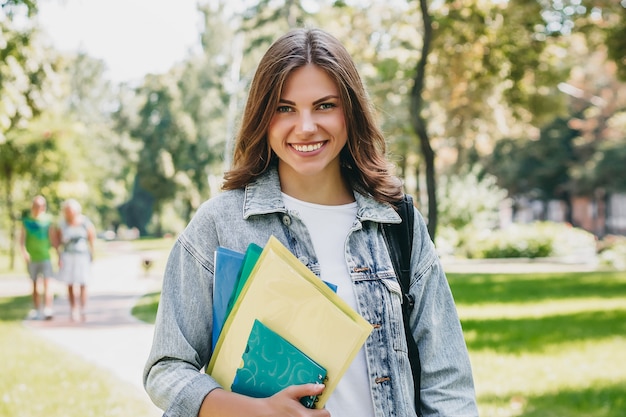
(271, 363)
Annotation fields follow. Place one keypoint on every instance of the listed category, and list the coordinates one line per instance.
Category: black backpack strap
(399, 239)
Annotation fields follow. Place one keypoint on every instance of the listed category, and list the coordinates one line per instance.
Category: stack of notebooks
(276, 324)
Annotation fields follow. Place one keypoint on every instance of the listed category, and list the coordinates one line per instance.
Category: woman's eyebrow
(325, 98)
(318, 101)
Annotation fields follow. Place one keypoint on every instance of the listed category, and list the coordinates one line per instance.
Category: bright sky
(133, 37)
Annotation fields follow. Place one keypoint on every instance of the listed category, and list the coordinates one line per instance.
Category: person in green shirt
(35, 243)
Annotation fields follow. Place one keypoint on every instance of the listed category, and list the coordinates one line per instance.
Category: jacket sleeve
(173, 376)
(447, 387)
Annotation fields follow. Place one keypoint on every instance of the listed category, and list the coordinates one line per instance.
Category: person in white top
(76, 236)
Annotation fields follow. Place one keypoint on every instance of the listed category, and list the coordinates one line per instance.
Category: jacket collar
(263, 196)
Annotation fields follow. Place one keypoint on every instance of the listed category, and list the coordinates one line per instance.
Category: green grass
(546, 345)
(146, 307)
(541, 345)
(152, 244)
(40, 379)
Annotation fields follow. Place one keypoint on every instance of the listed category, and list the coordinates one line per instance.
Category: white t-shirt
(329, 227)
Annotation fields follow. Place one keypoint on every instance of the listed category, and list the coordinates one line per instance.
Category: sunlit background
(133, 37)
(506, 119)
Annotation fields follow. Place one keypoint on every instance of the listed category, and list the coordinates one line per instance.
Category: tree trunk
(8, 185)
(419, 124)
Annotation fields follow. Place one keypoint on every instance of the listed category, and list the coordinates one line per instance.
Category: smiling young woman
(310, 169)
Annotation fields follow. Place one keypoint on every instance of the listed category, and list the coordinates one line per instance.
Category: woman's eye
(283, 109)
(326, 106)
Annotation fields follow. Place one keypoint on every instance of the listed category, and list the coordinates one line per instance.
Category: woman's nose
(306, 123)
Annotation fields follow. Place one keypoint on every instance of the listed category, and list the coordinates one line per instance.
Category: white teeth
(307, 148)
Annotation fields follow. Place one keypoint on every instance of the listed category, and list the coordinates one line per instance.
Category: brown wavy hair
(363, 159)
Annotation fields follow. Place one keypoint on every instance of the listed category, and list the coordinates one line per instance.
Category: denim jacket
(233, 219)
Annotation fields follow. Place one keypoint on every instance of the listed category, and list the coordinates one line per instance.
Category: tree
(24, 68)
(267, 17)
(495, 55)
(166, 133)
(213, 88)
(609, 168)
(539, 169)
(25, 75)
(418, 121)
(104, 152)
(185, 122)
(602, 22)
(616, 43)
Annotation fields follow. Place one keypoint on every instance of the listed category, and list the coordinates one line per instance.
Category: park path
(110, 337)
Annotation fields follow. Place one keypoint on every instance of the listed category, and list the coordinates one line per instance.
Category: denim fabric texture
(234, 219)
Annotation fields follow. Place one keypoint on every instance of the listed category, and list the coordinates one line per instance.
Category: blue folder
(227, 266)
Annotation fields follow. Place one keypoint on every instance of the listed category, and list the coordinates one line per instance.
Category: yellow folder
(286, 296)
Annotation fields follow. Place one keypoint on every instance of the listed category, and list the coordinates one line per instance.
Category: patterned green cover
(271, 363)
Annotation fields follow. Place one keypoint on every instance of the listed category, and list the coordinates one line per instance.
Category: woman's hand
(286, 403)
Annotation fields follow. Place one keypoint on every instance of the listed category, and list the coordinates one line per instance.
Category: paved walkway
(110, 337)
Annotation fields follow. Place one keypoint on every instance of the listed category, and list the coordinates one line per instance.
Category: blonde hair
(74, 205)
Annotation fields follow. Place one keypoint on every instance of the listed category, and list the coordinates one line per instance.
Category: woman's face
(38, 207)
(308, 128)
(70, 213)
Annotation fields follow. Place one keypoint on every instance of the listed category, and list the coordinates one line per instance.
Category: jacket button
(286, 220)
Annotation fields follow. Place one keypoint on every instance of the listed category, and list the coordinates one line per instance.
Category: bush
(612, 252)
(469, 199)
(533, 240)
(516, 241)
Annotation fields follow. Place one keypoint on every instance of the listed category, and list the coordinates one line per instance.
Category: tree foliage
(183, 127)
(449, 82)
(167, 134)
(539, 168)
(25, 70)
(616, 42)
